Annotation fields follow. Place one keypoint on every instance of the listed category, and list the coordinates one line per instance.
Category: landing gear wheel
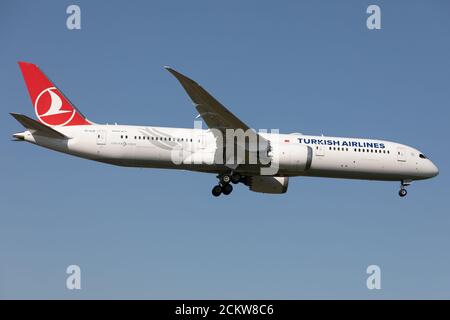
(216, 191)
(403, 184)
(225, 179)
(235, 178)
(227, 189)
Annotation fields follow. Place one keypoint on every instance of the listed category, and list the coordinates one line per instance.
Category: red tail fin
(50, 105)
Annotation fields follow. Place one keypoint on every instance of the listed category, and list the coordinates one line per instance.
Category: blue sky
(300, 66)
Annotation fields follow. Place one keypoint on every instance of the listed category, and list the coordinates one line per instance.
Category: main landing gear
(225, 183)
(403, 184)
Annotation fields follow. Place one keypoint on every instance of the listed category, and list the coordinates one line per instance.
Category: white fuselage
(154, 147)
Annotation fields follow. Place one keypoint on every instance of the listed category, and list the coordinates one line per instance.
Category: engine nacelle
(291, 157)
(268, 184)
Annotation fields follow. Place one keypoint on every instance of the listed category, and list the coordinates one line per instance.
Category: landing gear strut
(403, 184)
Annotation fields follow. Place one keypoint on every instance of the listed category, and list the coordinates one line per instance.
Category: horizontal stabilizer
(38, 128)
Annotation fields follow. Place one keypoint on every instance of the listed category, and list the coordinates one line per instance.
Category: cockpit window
(422, 156)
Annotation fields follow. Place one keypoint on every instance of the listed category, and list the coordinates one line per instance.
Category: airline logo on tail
(49, 108)
(50, 105)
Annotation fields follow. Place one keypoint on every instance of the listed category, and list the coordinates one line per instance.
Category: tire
(402, 193)
(227, 189)
(216, 191)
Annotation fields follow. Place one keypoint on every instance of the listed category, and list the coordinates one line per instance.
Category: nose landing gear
(403, 184)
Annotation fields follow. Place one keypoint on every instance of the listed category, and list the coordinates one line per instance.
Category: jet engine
(291, 157)
(268, 184)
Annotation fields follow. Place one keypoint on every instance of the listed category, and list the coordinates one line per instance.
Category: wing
(212, 111)
(216, 115)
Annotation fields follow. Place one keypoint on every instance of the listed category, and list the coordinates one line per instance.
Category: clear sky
(298, 66)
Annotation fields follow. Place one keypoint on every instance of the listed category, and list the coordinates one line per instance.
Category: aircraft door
(101, 137)
(319, 150)
(401, 154)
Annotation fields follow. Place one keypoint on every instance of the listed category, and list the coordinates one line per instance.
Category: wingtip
(173, 71)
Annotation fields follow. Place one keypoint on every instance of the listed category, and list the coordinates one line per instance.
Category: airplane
(263, 161)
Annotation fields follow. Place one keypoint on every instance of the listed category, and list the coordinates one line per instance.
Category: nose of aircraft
(433, 171)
